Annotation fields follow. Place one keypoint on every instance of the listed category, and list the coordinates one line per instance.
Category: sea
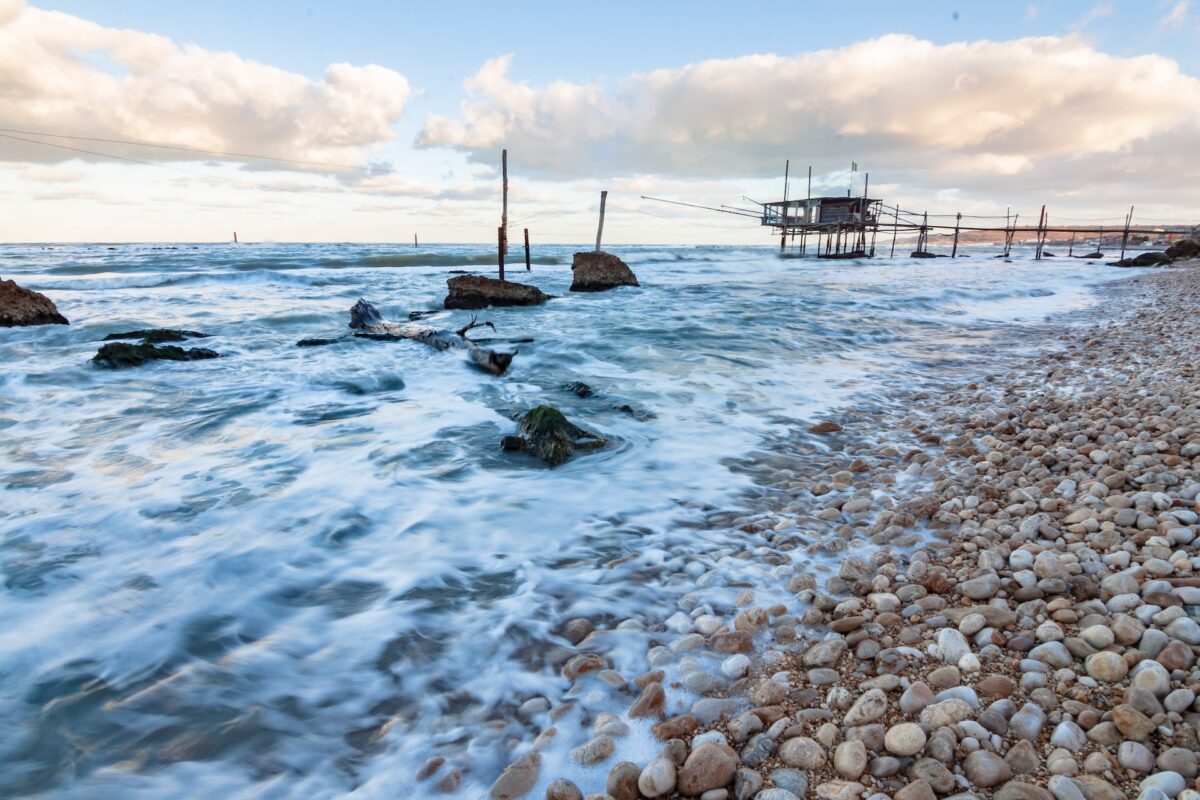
(303, 571)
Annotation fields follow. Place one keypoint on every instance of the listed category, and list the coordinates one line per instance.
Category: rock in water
(597, 271)
(1143, 260)
(157, 335)
(1184, 248)
(476, 291)
(19, 306)
(547, 434)
(119, 354)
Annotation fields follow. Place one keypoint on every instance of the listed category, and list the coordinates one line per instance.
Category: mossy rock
(120, 355)
(551, 436)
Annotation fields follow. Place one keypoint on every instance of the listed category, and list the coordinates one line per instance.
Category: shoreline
(967, 625)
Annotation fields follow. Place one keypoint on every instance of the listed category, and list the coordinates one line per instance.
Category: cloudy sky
(138, 120)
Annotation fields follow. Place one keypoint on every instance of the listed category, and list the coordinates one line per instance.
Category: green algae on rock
(547, 434)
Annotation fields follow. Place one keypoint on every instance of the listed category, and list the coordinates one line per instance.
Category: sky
(363, 121)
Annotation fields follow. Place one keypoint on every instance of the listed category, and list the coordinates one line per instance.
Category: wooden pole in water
(504, 208)
(600, 230)
(783, 237)
(527, 267)
(415, 241)
(957, 222)
(1007, 235)
(500, 249)
(1071, 246)
(1125, 236)
(895, 230)
(1041, 236)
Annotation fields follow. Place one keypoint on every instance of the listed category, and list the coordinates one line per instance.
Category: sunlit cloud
(67, 75)
(1176, 17)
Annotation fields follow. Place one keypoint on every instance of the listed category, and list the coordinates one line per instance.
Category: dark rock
(476, 291)
(1184, 248)
(20, 306)
(1047, 254)
(119, 354)
(157, 335)
(551, 437)
(597, 271)
(315, 342)
(513, 443)
(921, 254)
(1143, 260)
(580, 388)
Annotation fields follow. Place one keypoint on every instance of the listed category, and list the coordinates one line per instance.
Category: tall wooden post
(895, 230)
(1125, 236)
(957, 222)
(600, 230)
(1007, 230)
(527, 267)
(504, 208)
(235, 241)
(415, 241)
(500, 249)
(1041, 234)
(783, 237)
(1071, 246)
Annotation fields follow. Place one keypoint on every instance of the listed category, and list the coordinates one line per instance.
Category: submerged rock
(476, 291)
(119, 354)
(157, 335)
(315, 342)
(20, 306)
(580, 388)
(547, 434)
(597, 271)
(921, 254)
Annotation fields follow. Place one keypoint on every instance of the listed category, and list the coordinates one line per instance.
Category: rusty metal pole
(527, 267)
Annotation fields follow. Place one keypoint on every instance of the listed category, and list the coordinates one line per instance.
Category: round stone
(905, 739)
(802, 752)
(986, 769)
(1106, 666)
(657, 779)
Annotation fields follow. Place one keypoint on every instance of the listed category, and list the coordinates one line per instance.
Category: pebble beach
(1013, 614)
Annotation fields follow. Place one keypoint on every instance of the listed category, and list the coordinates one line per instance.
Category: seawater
(300, 572)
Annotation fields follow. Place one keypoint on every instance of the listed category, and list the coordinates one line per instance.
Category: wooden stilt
(1041, 235)
(504, 208)
(600, 230)
(528, 268)
(957, 222)
(1125, 235)
(783, 236)
(415, 241)
(895, 230)
(1071, 246)
(500, 249)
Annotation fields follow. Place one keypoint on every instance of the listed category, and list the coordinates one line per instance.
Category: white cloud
(1176, 17)
(63, 74)
(1031, 112)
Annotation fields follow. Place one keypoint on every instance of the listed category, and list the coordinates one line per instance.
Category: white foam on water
(303, 571)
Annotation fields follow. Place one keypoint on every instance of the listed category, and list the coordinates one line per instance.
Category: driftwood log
(366, 319)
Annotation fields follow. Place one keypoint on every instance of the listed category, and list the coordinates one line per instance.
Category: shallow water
(299, 572)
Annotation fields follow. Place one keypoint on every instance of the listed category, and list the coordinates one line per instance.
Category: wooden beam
(527, 267)
(504, 209)
(500, 249)
(600, 230)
